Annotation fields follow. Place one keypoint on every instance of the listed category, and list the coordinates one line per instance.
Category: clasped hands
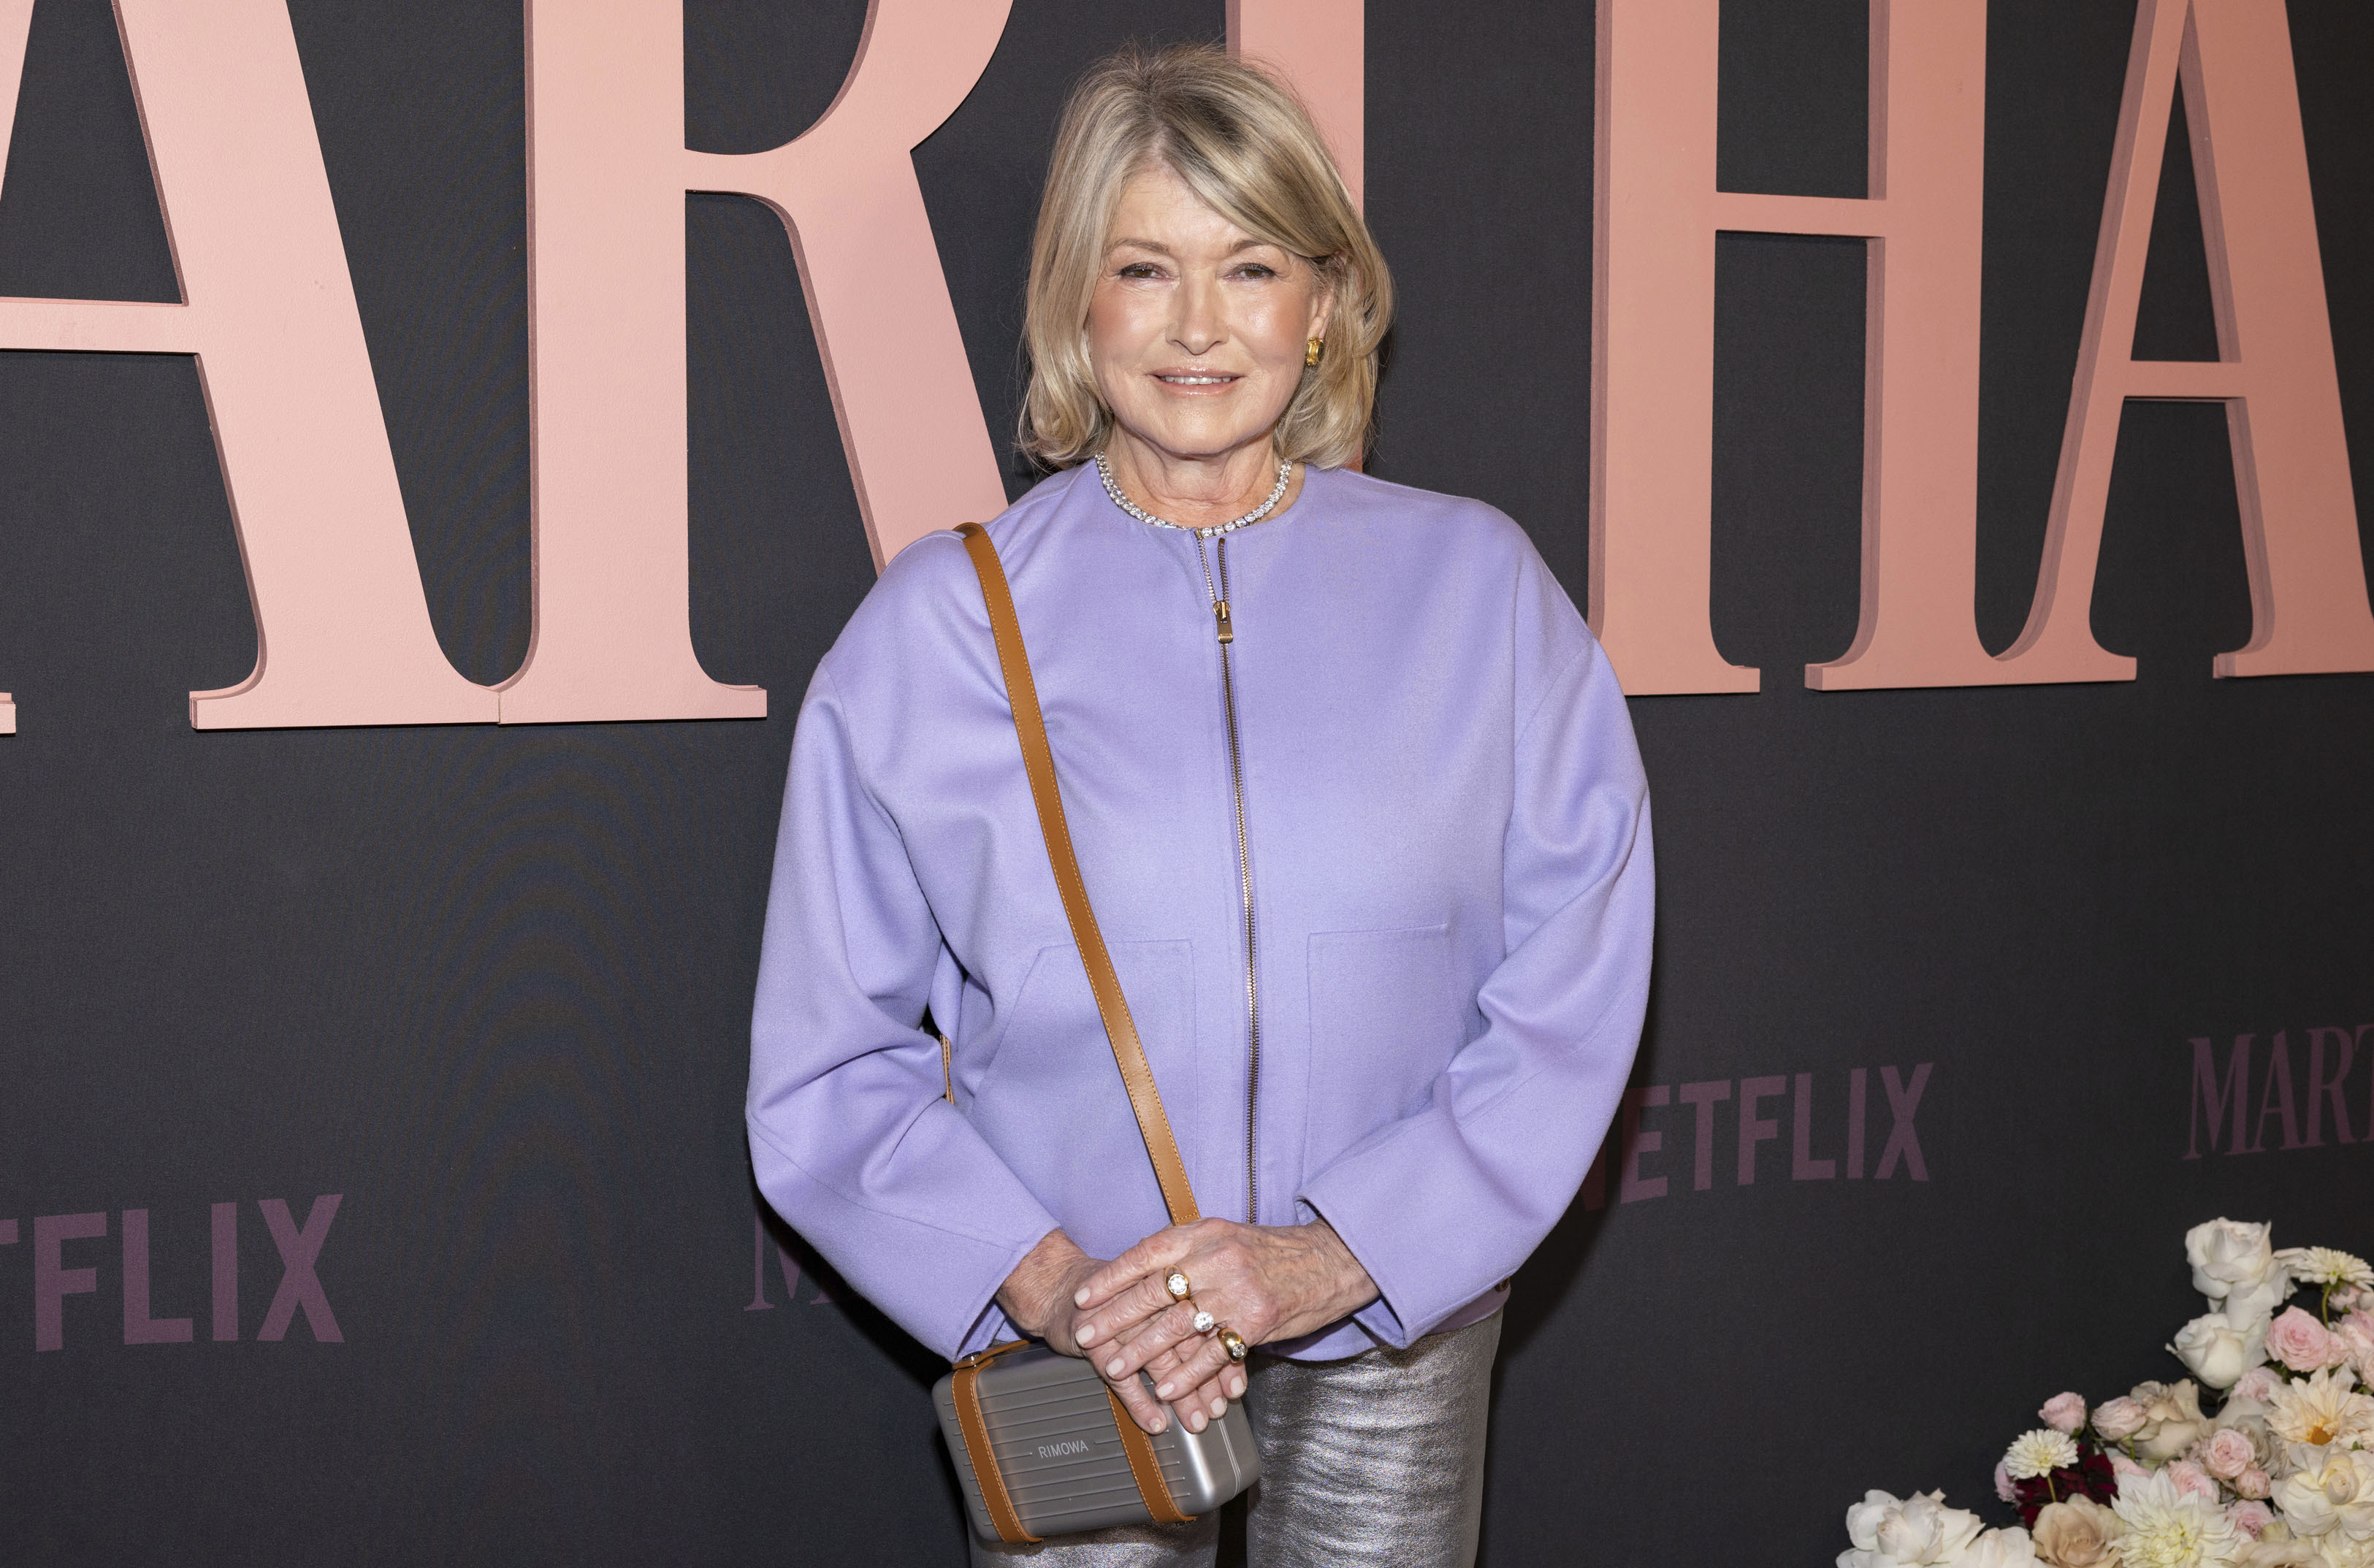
(1267, 1282)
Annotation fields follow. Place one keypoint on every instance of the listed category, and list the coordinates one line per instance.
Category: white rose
(2334, 1492)
(2007, 1548)
(2235, 1267)
(2220, 1349)
(1892, 1533)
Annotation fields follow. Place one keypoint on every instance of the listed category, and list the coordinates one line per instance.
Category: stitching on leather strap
(985, 1473)
(1144, 1468)
(1038, 765)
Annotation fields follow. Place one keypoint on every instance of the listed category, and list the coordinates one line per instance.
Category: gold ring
(1234, 1343)
(1176, 1284)
(1204, 1321)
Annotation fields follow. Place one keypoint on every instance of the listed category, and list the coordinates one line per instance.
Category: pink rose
(2064, 1412)
(2258, 1384)
(2191, 1481)
(2254, 1483)
(2126, 1469)
(2303, 1343)
(2355, 1333)
(2252, 1517)
(2119, 1417)
(2227, 1453)
(2004, 1488)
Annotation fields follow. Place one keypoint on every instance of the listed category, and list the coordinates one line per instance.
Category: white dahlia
(2169, 1528)
(2326, 1266)
(2321, 1410)
(2040, 1453)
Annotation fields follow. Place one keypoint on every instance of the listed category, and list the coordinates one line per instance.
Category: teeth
(1194, 381)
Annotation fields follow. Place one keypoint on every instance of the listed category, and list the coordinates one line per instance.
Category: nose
(1197, 328)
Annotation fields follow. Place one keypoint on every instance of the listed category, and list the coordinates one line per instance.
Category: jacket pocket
(1050, 1101)
(1385, 1020)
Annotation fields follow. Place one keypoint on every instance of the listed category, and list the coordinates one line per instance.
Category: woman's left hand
(1267, 1282)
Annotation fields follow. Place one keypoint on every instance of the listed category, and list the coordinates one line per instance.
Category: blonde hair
(1245, 144)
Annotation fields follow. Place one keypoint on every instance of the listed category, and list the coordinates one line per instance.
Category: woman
(1357, 806)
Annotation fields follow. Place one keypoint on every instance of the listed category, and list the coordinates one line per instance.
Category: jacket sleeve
(1443, 1204)
(849, 1135)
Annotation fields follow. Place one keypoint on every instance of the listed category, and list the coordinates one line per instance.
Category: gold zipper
(1225, 628)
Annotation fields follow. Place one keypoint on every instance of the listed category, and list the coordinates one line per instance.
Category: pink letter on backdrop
(608, 176)
(16, 25)
(139, 1328)
(1322, 47)
(2275, 366)
(1652, 383)
(53, 1281)
(342, 628)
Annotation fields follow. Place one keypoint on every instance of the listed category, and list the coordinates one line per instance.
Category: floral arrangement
(2280, 1476)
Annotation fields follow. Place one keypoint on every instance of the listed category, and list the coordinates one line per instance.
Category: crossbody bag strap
(986, 1473)
(1038, 763)
(1129, 1053)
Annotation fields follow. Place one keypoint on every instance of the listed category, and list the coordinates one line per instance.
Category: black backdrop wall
(490, 987)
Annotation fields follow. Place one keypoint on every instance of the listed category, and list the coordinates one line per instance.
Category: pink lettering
(2322, 1090)
(2206, 1088)
(2274, 366)
(791, 1270)
(2277, 1100)
(1752, 1128)
(226, 1271)
(1653, 390)
(343, 634)
(1802, 1167)
(53, 1281)
(139, 1328)
(1903, 1142)
(2358, 1039)
(1636, 1188)
(1705, 1096)
(607, 175)
(1855, 1122)
(1320, 46)
(300, 1286)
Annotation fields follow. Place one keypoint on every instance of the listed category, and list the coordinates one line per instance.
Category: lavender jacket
(1452, 883)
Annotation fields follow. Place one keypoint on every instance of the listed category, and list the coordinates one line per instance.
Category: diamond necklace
(1113, 488)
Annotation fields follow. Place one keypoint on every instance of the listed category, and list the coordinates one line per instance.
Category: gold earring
(1311, 351)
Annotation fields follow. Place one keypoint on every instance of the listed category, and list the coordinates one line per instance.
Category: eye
(1138, 270)
(1257, 270)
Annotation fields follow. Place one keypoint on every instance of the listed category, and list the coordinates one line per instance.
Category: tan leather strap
(1038, 763)
(1143, 1468)
(965, 1388)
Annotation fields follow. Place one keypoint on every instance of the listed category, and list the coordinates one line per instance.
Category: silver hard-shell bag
(1052, 1429)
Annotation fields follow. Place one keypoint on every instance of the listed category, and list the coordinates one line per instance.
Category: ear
(1322, 309)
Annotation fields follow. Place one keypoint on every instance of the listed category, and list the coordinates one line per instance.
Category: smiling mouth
(1193, 378)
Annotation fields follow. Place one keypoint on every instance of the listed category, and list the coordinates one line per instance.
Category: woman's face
(1196, 330)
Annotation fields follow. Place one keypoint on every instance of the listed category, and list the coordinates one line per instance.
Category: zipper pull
(1220, 615)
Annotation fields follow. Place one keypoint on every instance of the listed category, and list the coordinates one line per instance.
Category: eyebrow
(1161, 250)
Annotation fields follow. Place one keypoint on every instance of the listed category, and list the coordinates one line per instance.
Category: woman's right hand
(1037, 1298)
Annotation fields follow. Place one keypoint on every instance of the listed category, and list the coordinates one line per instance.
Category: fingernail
(1087, 1336)
(1161, 1423)
(1080, 1296)
(1112, 1367)
(1236, 1388)
(1164, 1391)
(1195, 1422)
(1219, 1409)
